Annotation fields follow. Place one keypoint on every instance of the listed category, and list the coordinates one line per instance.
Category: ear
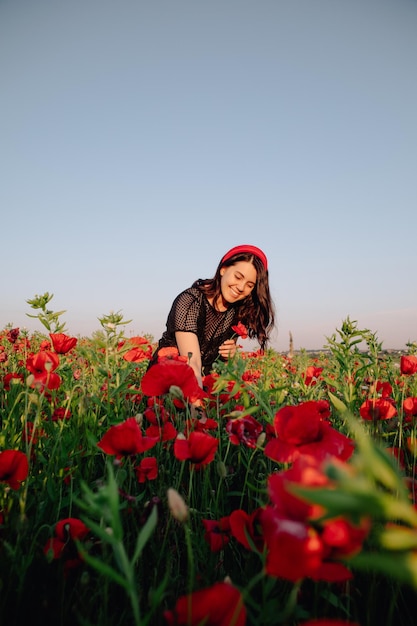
(222, 271)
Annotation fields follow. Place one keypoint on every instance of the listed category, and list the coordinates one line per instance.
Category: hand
(228, 349)
(198, 412)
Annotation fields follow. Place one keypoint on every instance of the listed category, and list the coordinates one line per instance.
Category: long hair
(256, 311)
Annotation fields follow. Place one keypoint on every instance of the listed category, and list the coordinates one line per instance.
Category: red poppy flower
(218, 605)
(410, 407)
(43, 365)
(217, 533)
(62, 545)
(202, 425)
(246, 529)
(377, 409)
(147, 469)
(294, 549)
(311, 375)
(126, 439)
(165, 432)
(244, 430)
(303, 429)
(200, 449)
(298, 544)
(71, 528)
(14, 468)
(138, 354)
(408, 365)
(62, 343)
(240, 330)
(61, 413)
(155, 412)
(12, 335)
(159, 379)
(251, 376)
(384, 388)
(11, 378)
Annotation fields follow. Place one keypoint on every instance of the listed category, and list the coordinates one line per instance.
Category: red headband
(246, 250)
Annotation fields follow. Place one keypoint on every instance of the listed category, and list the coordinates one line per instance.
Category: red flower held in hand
(377, 409)
(126, 439)
(218, 605)
(62, 343)
(168, 373)
(200, 449)
(408, 365)
(244, 430)
(303, 429)
(240, 330)
(14, 468)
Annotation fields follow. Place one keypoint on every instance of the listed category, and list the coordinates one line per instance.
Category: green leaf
(145, 533)
(399, 566)
(337, 403)
(101, 567)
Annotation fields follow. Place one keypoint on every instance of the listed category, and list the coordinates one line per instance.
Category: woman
(200, 322)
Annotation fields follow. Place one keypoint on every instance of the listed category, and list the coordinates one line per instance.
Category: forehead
(246, 269)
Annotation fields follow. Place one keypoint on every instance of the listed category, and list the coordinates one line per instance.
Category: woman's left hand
(228, 349)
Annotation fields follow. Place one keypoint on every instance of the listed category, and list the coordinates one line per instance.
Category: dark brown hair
(256, 311)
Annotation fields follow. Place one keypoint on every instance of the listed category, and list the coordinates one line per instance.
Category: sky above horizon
(142, 140)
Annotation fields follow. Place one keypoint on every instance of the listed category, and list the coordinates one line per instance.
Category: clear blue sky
(142, 139)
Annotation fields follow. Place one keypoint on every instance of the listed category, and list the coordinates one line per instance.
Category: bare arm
(188, 343)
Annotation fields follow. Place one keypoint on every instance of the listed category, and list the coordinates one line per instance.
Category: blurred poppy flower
(377, 409)
(14, 468)
(11, 378)
(384, 388)
(12, 335)
(410, 407)
(147, 469)
(299, 545)
(61, 413)
(168, 373)
(244, 430)
(126, 439)
(141, 350)
(43, 365)
(62, 544)
(165, 432)
(217, 533)
(246, 529)
(311, 375)
(408, 365)
(303, 429)
(199, 449)
(218, 605)
(62, 343)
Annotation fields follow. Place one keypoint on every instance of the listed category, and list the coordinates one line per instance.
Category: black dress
(191, 312)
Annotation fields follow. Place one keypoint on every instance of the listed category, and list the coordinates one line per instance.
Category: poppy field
(287, 498)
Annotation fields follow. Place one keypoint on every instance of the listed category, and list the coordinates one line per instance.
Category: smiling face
(237, 282)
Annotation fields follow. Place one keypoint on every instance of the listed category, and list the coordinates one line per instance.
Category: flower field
(289, 500)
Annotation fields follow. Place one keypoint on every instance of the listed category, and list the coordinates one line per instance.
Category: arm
(186, 343)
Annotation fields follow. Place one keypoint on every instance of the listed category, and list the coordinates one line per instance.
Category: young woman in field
(200, 322)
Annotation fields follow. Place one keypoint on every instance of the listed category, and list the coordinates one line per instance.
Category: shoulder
(189, 296)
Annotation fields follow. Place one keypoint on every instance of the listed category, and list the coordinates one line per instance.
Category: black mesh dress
(192, 312)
